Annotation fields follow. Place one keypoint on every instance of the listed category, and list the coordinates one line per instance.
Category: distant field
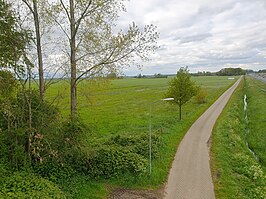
(122, 107)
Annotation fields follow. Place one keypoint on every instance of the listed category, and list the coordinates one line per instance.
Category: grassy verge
(235, 171)
(256, 99)
(122, 108)
(81, 186)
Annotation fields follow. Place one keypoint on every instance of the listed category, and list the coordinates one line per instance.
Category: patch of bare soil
(137, 194)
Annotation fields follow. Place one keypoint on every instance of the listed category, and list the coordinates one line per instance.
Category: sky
(205, 35)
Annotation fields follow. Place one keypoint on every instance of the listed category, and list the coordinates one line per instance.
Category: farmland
(122, 107)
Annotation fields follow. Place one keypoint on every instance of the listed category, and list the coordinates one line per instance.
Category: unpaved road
(190, 175)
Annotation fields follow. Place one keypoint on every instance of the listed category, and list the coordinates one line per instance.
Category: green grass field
(236, 173)
(122, 107)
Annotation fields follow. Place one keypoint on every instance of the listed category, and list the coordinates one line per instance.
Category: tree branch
(61, 27)
(82, 17)
(64, 7)
(28, 5)
(95, 66)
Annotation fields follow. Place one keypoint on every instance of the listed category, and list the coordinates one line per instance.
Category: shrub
(28, 185)
(123, 154)
(17, 140)
(138, 143)
(114, 161)
(201, 97)
(54, 171)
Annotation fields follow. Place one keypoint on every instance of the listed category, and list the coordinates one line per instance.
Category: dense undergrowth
(236, 172)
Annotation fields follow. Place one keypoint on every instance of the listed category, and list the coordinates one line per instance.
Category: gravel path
(190, 175)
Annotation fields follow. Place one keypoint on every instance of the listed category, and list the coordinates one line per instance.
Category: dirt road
(190, 175)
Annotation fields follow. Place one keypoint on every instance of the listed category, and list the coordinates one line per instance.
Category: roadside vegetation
(236, 172)
(256, 103)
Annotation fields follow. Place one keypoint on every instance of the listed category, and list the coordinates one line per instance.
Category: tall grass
(256, 109)
(236, 173)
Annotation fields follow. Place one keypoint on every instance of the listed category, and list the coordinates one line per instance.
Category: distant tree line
(231, 72)
(262, 71)
(222, 72)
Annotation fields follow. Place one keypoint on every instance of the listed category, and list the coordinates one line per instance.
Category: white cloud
(202, 34)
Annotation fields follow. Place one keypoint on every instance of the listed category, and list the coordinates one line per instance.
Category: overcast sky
(202, 34)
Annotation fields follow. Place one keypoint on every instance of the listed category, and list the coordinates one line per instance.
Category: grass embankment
(122, 108)
(256, 99)
(236, 172)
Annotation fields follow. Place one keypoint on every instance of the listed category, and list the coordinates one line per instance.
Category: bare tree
(93, 46)
(33, 8)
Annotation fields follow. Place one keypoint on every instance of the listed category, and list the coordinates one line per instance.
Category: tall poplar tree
(93, 46)
(33, 6)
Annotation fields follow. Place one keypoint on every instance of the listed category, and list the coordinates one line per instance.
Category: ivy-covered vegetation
(25, 184)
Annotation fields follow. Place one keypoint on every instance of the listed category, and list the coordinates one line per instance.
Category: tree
(12, 39)
(33, 7)
(181, 88)
(112, 76)
(231, 72)
(93, 46)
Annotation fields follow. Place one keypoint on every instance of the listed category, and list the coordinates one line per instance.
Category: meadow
(236, 172)
(122, 107)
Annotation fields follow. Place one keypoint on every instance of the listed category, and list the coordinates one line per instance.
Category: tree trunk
(39, 48)
(30, 115)
(180, 111)
(73, 64)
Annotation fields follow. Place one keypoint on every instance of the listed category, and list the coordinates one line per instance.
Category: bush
(123, 154)
(18, 141)
(138, 143)
(54, 171)
(201, 97)
(114, 161)
(28, 185)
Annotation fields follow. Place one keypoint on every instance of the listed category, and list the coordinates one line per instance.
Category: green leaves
(122, 155)
(181, 88)
(24, 185)
(113, 161)
(12, 38)
(8, 84)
